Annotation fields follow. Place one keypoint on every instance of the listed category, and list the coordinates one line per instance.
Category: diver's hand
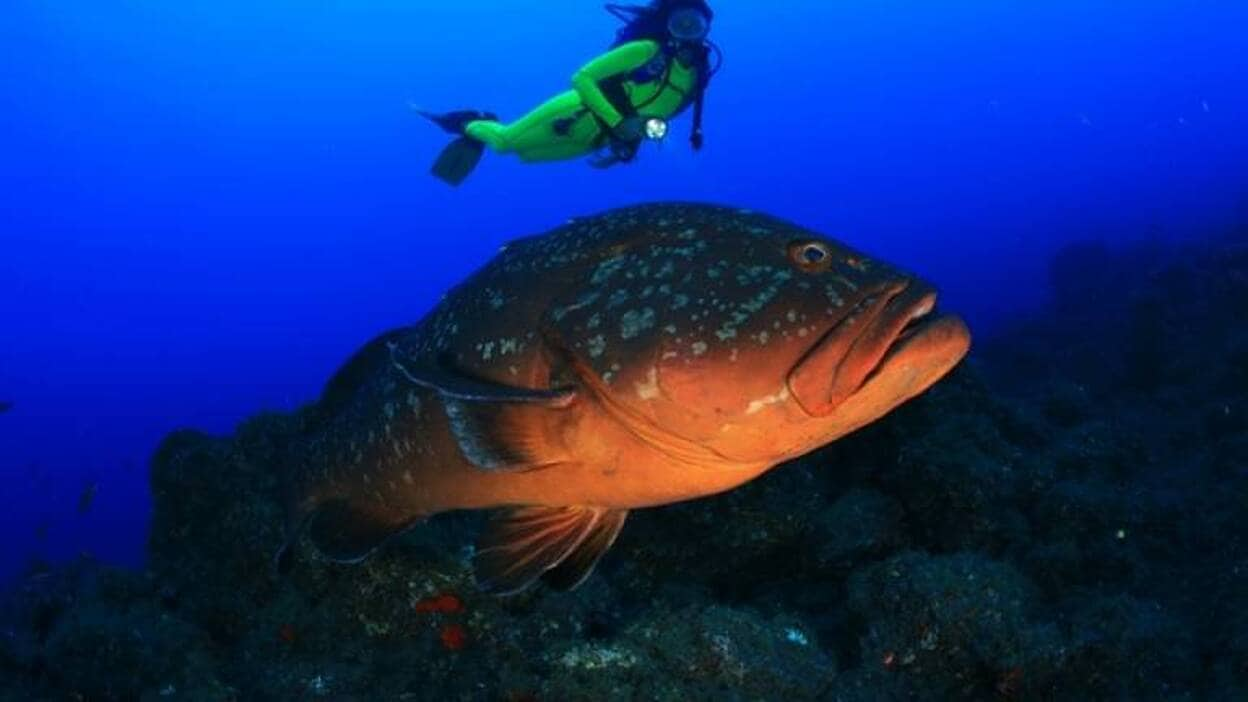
(616, 152)
(624, 140)
(631, 129)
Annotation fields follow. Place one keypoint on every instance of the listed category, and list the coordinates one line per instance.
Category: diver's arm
(623, 59)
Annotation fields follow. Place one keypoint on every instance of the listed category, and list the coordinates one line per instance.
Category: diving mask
(689, 24)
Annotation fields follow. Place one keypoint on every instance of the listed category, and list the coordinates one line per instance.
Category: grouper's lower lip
(912, 365)
(890, 331)
(943, 335)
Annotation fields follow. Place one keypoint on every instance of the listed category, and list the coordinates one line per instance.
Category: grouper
(637, 358)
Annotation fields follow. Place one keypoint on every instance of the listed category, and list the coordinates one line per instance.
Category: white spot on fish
(617, 298)
(650, 388)
(634, 322)
(699, 348)
(762, 403)
(849, 284)
(597, 346)
(584, 301)
(795, 636)
(606, 269)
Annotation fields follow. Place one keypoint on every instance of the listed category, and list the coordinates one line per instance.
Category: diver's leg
(534, 137)
(492, 134)
(562, 151)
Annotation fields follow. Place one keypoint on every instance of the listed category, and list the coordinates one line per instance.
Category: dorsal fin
(521, 544)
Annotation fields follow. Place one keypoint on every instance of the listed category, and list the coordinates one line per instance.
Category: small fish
(87, 498)
(643, 357)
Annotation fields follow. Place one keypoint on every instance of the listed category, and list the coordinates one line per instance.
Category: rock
(952, 626)
(701, 652)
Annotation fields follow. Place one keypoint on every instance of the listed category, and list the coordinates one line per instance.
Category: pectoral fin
(580, 563)
(522, 544)
(498, 427)
(457, 386)
(507, 437)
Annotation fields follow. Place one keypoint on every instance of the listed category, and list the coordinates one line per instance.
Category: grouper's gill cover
(645, 356)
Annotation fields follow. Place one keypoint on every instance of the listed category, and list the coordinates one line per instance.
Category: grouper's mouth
(891, 346)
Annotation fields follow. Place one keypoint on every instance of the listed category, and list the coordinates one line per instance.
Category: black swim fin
(460, 157)
(455, 122)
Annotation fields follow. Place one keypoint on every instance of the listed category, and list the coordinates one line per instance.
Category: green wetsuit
(570, 125)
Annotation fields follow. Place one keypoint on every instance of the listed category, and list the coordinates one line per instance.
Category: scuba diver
(659, 66)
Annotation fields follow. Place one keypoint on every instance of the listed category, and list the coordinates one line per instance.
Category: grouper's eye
(810, 256)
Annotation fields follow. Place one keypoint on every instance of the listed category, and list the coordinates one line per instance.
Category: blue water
(206, 205)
